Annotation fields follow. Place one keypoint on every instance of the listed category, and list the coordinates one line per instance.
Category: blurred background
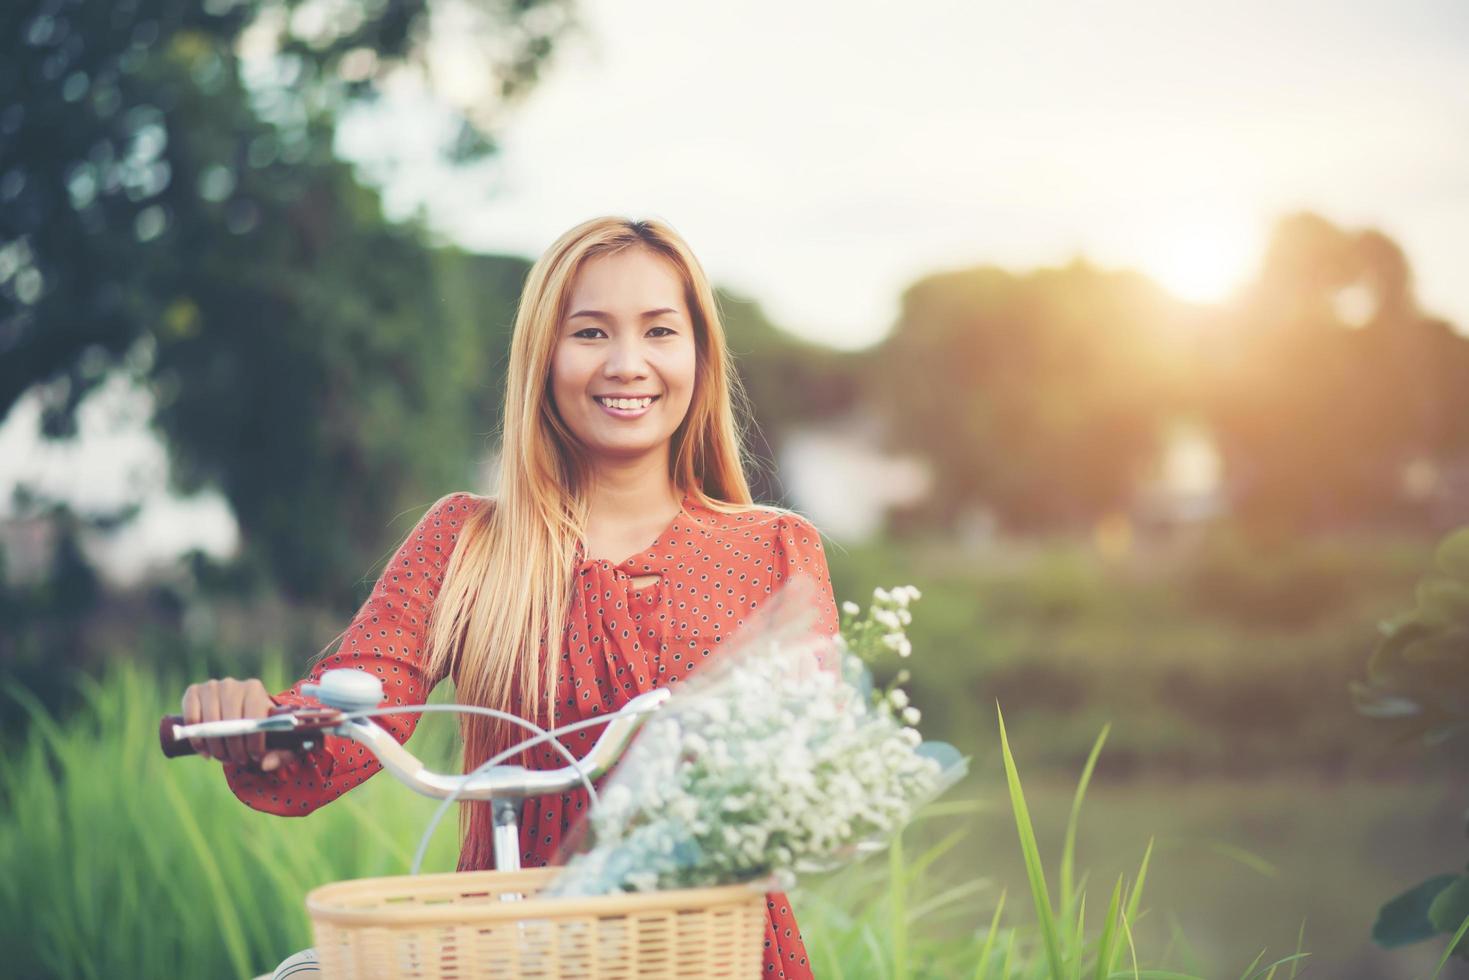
(1133, 334)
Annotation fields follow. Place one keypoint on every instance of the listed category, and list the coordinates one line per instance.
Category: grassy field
(1240, 865)
(121, 863)
(1223, 658)
(1277, 815)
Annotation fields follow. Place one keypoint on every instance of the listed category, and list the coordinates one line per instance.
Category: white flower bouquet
(777, 759)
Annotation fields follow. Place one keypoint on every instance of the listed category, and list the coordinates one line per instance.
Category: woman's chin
(626, 450)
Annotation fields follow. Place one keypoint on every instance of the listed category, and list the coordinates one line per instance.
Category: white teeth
(627, 404)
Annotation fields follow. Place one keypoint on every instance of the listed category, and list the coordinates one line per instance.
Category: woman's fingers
(213, 710)
(233, 699)
(257, 705)
(227, 699)
(193, 713)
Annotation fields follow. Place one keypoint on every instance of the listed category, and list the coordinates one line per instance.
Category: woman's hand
(226, 700)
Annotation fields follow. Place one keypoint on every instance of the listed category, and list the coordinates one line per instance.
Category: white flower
(882, 595)
(850, 608)
(760, 767)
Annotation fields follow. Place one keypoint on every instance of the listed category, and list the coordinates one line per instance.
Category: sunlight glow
(1203, 258)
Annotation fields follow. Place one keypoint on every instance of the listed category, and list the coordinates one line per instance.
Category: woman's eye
(588, 329)
(667, 332)
(586, 333)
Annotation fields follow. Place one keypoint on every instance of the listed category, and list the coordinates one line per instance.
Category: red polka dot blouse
(713, 571)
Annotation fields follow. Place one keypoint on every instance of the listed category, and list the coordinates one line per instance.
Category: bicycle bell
(347, 689)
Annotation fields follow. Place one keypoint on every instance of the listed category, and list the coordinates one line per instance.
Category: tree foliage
(1332, 399)
(161, 217)
(1038, 396)
(1336, 401)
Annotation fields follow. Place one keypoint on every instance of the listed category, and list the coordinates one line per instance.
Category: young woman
(621, 549)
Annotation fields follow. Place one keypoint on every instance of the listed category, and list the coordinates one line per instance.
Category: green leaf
(1443, 601)
(1453, 554)
(1450, 906)
(1404, 919)
(1386, 661)
(1448, 646)
(1452, 947)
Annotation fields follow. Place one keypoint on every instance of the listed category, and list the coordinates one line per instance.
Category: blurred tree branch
(171, 207)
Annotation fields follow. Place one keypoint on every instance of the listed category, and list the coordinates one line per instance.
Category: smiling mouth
(625, 404)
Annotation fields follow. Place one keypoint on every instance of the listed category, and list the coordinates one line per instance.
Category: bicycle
(492, 923)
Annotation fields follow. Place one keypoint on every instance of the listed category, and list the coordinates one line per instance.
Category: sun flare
(1201, 260)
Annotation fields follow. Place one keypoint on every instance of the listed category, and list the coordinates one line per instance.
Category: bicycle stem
(504, 782)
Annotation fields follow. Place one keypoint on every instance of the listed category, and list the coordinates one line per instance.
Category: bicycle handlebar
(301, 728)
(285, 728)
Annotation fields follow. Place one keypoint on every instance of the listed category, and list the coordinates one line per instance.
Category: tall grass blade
(1185, 950)
(924, 911)
(1068, 848)
(898, 897)
(1031, 851)
(1300, 941)
(1249, 970)
(1292, 959)
(1132, 947)
(1247, 858)
(229, 928)
(1078, 937)
(1131, 903)
(874, 949)
(1109, 933)
(982, 969)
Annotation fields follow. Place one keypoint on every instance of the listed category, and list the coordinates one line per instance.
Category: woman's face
(622, 373)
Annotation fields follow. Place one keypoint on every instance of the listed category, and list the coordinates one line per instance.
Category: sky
(820, 156)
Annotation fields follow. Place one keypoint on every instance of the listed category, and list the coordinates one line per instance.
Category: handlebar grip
(175, 747)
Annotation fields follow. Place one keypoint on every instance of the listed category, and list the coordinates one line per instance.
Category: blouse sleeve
(799, 552)
(385, 638)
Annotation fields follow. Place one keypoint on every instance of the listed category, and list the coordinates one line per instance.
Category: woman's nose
(625, 359)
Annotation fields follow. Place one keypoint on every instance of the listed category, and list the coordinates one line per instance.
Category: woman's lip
(626, 413)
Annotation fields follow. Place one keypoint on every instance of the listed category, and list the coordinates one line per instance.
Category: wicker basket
(457, 925)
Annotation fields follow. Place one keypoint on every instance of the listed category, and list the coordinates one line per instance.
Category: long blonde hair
(497, 621)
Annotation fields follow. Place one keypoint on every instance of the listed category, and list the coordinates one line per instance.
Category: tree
(1039, 396)
(1333, 398)
(159, 217)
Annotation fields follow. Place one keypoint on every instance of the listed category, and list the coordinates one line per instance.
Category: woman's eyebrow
(600, 315)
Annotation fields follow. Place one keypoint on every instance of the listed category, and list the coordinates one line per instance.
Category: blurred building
(837, 475)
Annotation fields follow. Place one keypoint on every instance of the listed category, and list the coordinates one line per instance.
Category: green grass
(120, 863)
(897, 929)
